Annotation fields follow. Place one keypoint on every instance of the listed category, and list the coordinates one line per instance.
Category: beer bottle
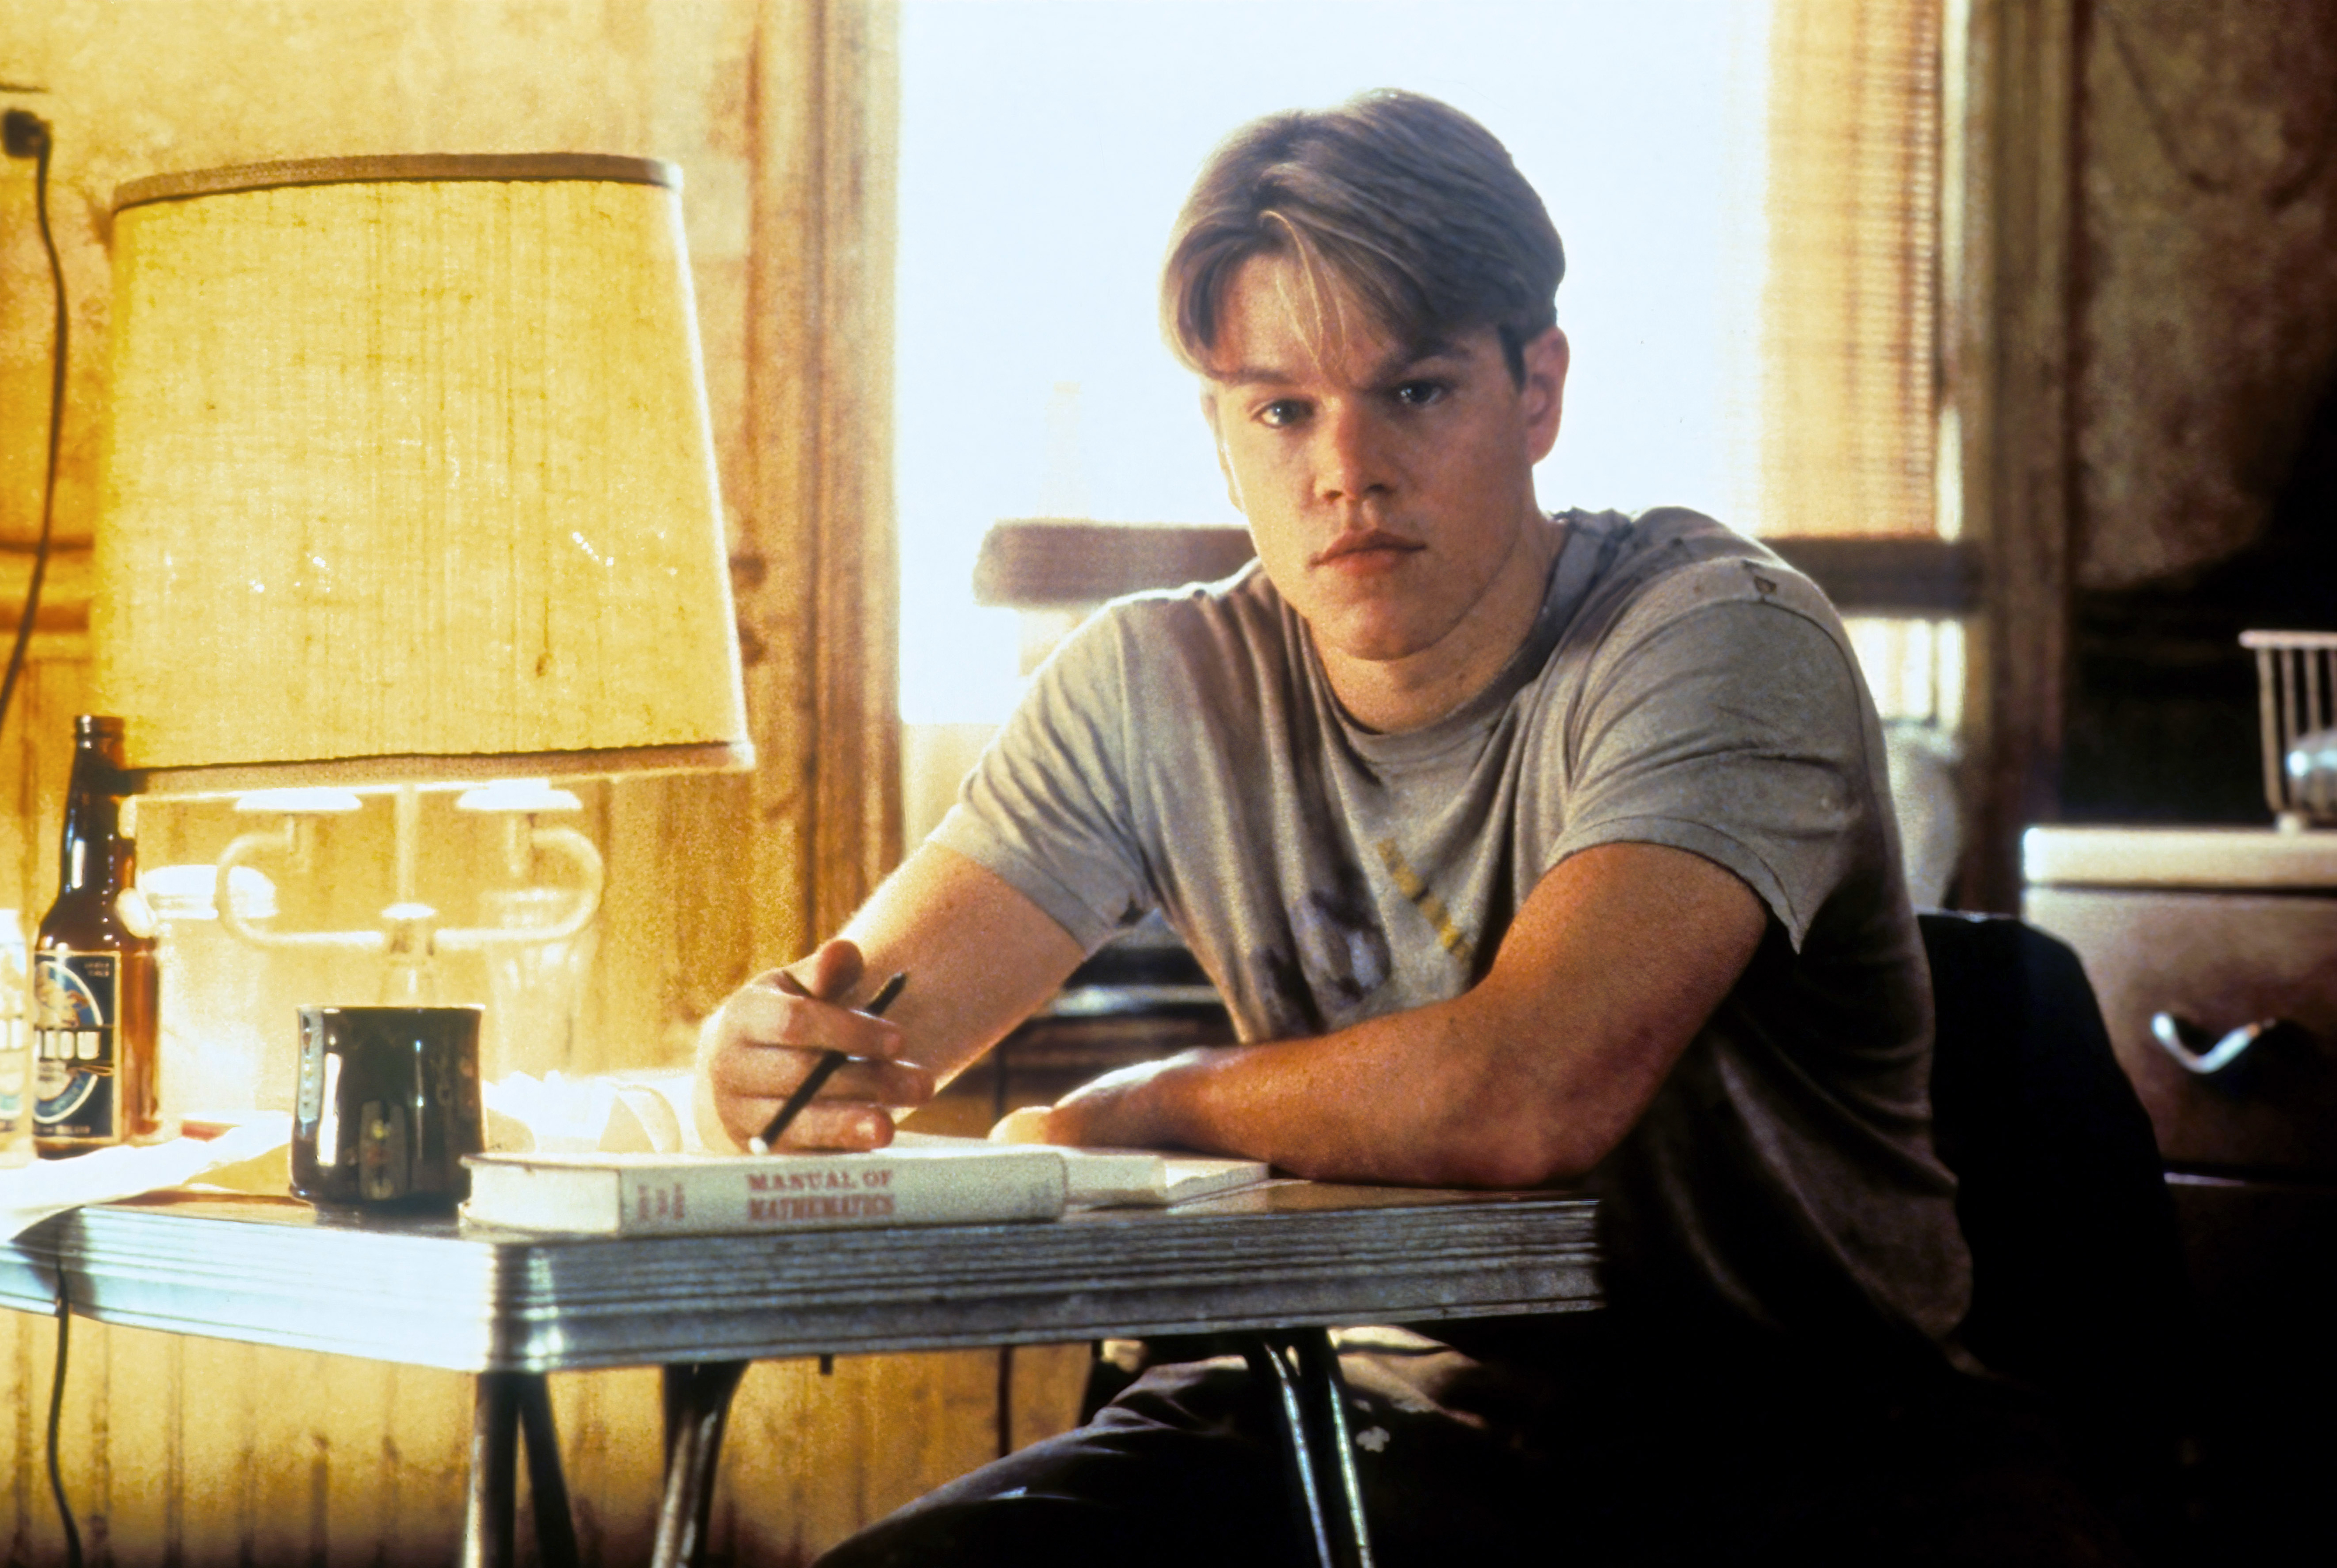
(96, 1025)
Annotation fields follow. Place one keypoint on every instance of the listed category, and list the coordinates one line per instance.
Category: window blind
(1850, 386)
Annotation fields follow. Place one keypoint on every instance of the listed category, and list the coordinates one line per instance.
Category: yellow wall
(198, 1452)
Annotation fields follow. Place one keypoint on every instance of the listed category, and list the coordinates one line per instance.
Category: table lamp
(410, 480)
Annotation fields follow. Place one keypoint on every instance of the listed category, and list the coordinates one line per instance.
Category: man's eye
(1282, 411)
(1420, 394)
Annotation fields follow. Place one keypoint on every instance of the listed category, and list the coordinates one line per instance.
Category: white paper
(31, 1193)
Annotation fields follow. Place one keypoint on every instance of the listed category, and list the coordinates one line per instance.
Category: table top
(434, 1291)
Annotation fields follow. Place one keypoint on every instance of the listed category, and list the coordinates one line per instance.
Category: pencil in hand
(822, 1070)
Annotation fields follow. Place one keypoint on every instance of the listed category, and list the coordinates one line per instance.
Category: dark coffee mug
(388, 1105)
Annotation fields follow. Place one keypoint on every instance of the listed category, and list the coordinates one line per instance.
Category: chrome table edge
(434, 1293)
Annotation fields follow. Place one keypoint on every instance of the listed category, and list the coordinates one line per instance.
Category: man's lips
(1370, 544)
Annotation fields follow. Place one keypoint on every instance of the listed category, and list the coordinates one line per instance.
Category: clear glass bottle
(15, 1044)
(220, 1056)
(96, 995)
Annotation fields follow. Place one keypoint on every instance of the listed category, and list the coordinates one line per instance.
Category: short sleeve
(1047, 807)
(1734, 729)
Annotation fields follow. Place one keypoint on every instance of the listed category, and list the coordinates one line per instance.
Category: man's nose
(1351, 458)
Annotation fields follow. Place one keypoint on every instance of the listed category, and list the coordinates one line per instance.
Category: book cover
(612, 1194)
(1124, 1178)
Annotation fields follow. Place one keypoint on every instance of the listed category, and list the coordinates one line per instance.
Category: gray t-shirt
(1183, 751)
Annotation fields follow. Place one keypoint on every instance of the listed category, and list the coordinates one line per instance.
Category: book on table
(1125, 1178)
(920, 1180)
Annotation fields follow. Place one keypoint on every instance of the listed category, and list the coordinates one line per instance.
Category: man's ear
(1543, 391)
(1217, 441)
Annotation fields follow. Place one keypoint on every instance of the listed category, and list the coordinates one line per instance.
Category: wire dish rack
(2296, 692)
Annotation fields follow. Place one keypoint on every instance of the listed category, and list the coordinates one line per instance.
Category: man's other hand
(1111, 1112)
(771, 1032)
(1027, 1125)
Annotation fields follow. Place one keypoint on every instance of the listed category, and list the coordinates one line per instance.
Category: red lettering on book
(820, 1206)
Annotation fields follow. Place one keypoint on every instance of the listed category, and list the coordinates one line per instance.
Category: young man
(1524, 849)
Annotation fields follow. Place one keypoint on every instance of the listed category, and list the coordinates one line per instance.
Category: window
(1751, 237)
(1045, 148)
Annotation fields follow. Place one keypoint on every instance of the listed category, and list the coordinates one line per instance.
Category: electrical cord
(56, 1411)
(26, 135)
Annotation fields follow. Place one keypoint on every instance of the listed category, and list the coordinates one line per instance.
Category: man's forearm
(1617, 960)
(1365, 1104)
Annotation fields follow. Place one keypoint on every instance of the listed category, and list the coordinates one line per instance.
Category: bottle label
(75, 1031)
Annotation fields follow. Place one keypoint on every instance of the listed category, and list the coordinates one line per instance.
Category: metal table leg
(487, 1503)
(547, 1487)
(696, 1405)
(1324, 1392)
(507, 1405)
(1299, 1368)
(1268, 1366)
(1302, 1372)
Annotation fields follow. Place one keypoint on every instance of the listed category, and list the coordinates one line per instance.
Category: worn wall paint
(193, 1451)
(2207, 275)
(2203, 392)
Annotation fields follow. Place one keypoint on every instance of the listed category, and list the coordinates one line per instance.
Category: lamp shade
(409, 476)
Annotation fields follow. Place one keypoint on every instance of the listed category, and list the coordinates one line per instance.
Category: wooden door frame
(2008, 259)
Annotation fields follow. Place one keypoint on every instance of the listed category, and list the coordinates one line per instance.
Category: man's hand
(1108, 1112)
(982, 958)
(1026, 1125)
(771, 1032)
